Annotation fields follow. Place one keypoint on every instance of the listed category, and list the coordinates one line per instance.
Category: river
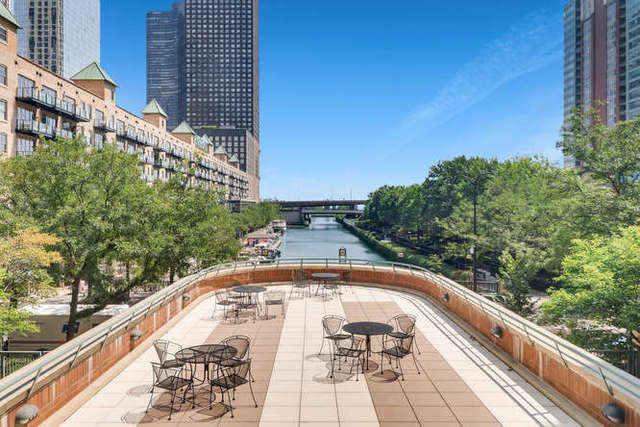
(322, 239)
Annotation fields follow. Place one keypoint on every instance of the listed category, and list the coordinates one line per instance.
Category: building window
(25, 147)
(3, 142)
(3, 34)
(3, 110)
(3, 75)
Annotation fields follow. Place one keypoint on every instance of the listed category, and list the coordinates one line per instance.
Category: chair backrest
(222, 296)
(241, 343)
(332, 324)
(274, 296)
(165, 348)
(160, 374)
(405, 323)
(406, 343)
(243, 369)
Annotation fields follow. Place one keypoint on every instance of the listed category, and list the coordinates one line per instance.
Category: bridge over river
(300, 212)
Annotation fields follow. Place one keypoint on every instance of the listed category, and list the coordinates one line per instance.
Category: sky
(359, 94)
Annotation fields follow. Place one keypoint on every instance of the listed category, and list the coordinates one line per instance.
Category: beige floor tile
(318, 414)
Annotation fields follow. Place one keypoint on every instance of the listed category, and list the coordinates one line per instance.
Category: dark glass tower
(202, 56)
(222, 63)
(165, 62)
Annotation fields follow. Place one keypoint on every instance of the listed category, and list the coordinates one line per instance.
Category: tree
(24, 260)
(87, 198)
(515, 279)
(193, 229)
(608, 155)
(600, 282)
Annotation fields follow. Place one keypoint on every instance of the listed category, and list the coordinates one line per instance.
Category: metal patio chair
(166, 351)
(398, 349)
(332, 327)
(274, 298)
(223, 300)
(350, 348)
(404, 325)
(228, 380)
(299, 283)
(172, 380)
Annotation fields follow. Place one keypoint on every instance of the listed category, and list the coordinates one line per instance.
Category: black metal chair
(248, 305)
(398, 349)
(172, 380)
(166, 351)
(228, 380)
(350, 348)
(274, 298)
(332, 325)
(242, 344)
(223, 300)
(404, 326)
(299, 283)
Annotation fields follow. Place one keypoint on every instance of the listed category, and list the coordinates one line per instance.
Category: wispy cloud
(529, 44)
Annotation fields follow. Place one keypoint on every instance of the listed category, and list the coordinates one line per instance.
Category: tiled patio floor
(462, 383)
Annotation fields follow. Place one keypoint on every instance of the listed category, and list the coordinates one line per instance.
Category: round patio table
(367, 329)
(324, 278)
(205, 354)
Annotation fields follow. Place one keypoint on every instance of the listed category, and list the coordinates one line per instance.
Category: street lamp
(476, 181)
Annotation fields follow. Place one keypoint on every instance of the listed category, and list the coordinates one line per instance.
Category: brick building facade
(35, 103)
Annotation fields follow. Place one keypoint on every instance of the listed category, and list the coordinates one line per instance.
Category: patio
(462, 383)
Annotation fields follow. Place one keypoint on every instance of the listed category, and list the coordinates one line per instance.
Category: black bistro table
(324, 278)
(248, 289)
(367, 329)
(205, 354)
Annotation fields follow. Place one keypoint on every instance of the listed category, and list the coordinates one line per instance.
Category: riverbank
(394, 252)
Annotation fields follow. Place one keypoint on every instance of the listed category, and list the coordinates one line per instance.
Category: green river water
(322, 239)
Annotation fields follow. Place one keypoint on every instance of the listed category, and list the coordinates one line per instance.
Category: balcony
(104, 125)
(82, 115)
(40, 99)
(33, 127)
(64, 133)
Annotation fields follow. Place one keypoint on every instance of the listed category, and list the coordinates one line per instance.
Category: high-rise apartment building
(60, 35)
(220, 73)
(165, 61)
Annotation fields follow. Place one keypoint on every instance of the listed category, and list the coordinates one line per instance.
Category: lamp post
(476, 182)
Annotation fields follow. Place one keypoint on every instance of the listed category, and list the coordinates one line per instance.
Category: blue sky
(358, 94)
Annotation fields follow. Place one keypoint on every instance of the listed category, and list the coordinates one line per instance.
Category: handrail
(27, 377)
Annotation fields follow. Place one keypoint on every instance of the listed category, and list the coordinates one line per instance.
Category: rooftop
(93, 71)
(462, 382)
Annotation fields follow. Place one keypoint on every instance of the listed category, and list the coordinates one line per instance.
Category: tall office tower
(165, 62)
(60, 35)
(220, 75)
(600, 53)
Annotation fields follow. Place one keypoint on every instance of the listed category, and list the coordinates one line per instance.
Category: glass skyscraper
(60, 35)
(165, 62)
(218, 86)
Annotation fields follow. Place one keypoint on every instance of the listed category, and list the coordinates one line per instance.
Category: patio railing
(30, 376)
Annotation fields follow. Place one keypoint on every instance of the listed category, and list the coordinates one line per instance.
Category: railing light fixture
(446, 297)
(613, 413)
(496, 331)
(26, 414)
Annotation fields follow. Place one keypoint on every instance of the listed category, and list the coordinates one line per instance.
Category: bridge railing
(64, 357)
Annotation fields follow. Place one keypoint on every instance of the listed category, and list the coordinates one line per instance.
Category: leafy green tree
(24, 260)
(86, 198)
(608, 155)
(600, 283)
(515, 279)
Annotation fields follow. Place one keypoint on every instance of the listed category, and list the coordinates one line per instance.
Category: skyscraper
(219, 87)
(165, 62)
(60, 35)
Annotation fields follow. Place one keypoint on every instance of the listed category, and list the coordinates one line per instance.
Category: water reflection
(322, 239)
